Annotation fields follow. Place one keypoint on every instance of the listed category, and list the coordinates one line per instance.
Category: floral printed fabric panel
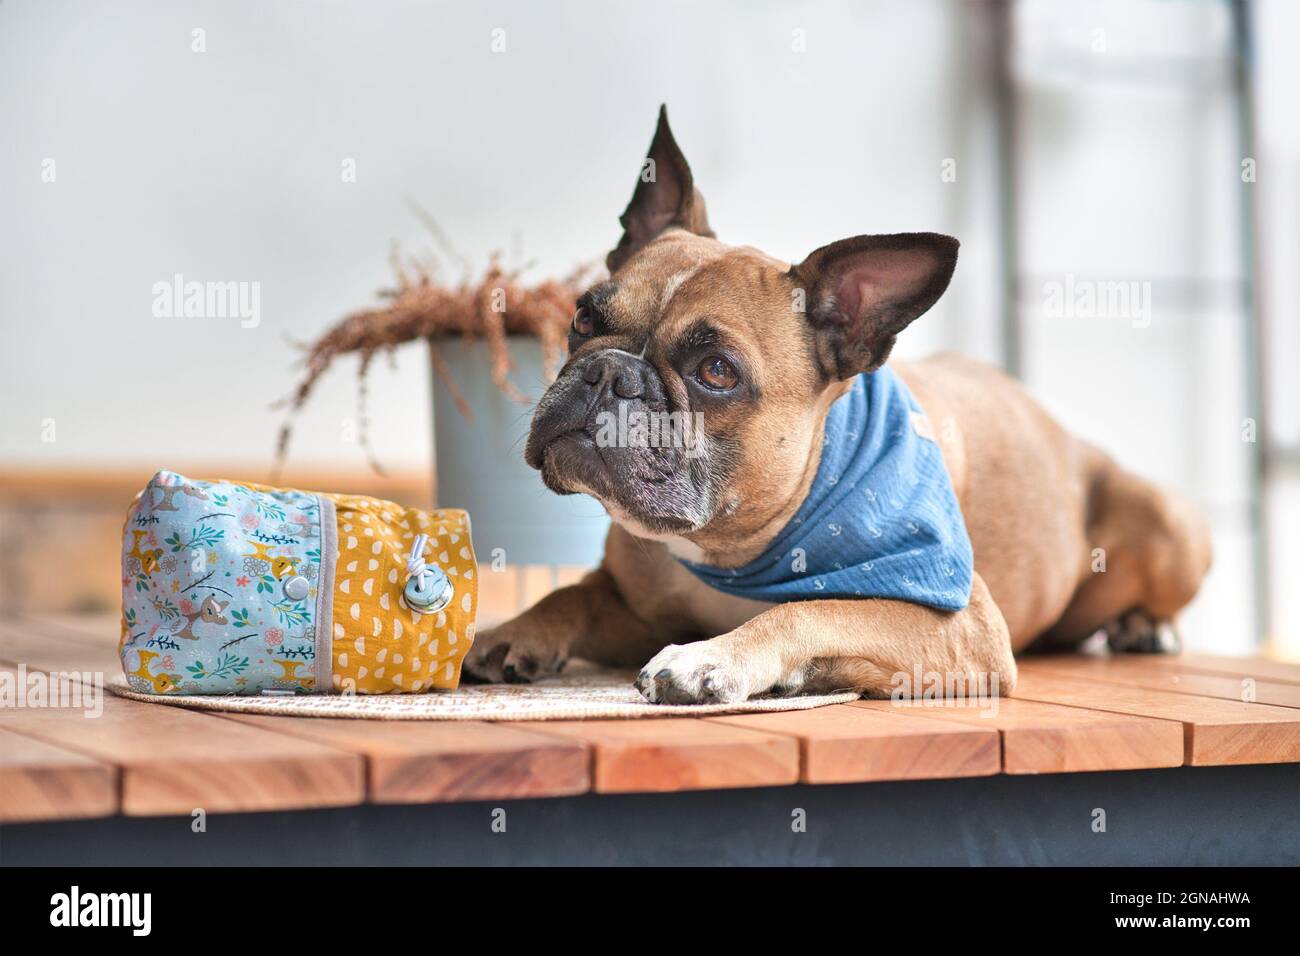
(220, 588)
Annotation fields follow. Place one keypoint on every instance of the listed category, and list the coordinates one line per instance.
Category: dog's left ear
(859, 293)
(665, 196)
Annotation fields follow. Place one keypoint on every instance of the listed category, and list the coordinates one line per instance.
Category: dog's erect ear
(665, 196)
(859, 293)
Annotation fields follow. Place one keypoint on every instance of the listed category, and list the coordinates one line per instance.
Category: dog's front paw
(699, 673)
(513, 653)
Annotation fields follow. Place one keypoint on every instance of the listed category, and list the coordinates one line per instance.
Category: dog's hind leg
(1137, 632)
(1149, 551)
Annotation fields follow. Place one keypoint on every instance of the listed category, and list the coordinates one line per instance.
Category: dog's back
(1050, 515)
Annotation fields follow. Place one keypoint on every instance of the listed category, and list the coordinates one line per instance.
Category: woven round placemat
(585, 694)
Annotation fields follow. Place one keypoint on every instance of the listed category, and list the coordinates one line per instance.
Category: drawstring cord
(415, 564)
(427, 587)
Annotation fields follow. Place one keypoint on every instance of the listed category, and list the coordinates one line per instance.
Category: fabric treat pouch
(236, 588)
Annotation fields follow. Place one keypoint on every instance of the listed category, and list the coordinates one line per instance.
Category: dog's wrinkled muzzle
(596, 384)
(593, 433)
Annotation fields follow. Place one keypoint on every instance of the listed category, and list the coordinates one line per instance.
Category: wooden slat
(625, 755)
(406, 761)
(642, 755)
(678, 753)
(40, 646)
(1215, 732)
(174, 761)
(102, 628)
(1260, 668)
(39, 781)
(1138, 671)
(436, 761)
(442, 763)
(844, 744)
(1055, 724)
(1044, 738)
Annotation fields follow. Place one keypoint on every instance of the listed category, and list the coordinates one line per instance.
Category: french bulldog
(753, 353)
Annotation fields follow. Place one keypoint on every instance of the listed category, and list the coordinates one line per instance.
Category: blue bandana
(881, 519)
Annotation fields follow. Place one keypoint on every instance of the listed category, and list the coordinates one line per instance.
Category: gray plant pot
(480, 465)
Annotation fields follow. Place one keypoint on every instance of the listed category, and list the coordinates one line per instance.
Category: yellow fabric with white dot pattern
(380, 645)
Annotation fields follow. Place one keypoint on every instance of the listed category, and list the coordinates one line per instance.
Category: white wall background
(1129, 171)
(1277, 25)
(225, 165)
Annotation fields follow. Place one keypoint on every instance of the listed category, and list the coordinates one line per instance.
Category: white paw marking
(699, 673)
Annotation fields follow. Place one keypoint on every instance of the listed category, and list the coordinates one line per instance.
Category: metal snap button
(429, 592)
(296, 588)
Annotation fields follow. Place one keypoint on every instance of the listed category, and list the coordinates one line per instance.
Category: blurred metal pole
(1008, 184)
(1261, 458)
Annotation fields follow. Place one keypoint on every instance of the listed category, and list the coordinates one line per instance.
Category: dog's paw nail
(523, 666)
(512, 675)
(495, 657)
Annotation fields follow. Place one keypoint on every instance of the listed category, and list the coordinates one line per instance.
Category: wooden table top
(1070, 714)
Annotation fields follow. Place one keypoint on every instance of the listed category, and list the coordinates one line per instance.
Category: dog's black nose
(625, 374)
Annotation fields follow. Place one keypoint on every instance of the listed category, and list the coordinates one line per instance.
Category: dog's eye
(717, 373)
(583, 323)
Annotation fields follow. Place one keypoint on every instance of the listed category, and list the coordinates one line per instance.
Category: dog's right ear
(859, 293)
(665, 196)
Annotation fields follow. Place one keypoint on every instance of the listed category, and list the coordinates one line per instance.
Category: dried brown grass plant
(493, 307)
